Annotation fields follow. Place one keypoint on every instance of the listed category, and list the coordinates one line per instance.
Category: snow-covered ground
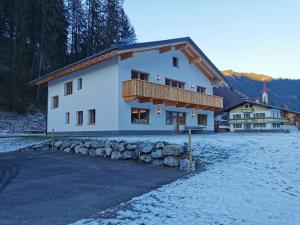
(250, 179)
(15, 143)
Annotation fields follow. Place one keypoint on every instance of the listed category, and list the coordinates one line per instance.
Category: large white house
(254, 116)
(144, 88)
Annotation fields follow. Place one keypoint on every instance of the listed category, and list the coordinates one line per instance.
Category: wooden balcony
(145, 91)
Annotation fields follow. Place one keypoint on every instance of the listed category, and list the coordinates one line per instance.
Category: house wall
(99, 92)
(269, 113)
(154, 63)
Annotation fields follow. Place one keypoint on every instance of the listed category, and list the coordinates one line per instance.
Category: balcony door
(247, 126)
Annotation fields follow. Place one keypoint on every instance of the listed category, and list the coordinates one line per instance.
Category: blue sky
(261, 36)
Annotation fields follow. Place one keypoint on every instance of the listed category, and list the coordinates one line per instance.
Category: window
(92, 116)
(79, 84)
(137, 75)
(259, 125)
(79, 118)
(173, 117)
(67, 118)
(259, 115)
(69, 88)
(55, 102)
(174, 83)
(237, 126)
(175, 62)
(139, 116)
(201, 89)
(237, 116)
(247, 115)
(276, 125)
(202, 119)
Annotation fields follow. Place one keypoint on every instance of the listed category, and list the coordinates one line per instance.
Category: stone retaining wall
(155, 153)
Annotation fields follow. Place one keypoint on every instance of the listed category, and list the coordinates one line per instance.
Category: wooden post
(52, 138)
(190, 149)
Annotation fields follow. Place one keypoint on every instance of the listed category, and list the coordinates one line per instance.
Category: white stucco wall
(270, 113)
(154, 63)
(99, 92)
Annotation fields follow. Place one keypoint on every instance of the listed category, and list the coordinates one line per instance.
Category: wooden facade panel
(140, 89)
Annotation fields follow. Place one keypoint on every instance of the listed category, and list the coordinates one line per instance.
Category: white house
(255, 116)
(144, 88)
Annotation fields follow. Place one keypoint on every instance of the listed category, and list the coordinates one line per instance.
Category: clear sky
(261, 36)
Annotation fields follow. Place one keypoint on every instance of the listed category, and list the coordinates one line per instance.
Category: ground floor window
(202, 119)
(79, 119)
(67, 118)
(276, 125)
(173, 117)
(92, 116)
(259, 125)
(140, 116)
(237, 125)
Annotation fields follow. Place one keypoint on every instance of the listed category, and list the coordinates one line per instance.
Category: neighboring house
(144, 88)
(221, 123)
(254, 116)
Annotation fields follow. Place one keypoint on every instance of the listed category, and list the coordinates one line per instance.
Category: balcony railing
(259, 120)
(146, 91)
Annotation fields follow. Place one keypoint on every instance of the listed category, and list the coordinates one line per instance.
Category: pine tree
(118, 29)
(127, 33)
(77, 26)
(95, 27)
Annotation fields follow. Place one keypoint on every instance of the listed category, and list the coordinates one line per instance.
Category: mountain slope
(282, 92)
(253, 76)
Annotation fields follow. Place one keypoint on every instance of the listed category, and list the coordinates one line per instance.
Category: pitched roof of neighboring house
(186, 45)
(260, 104)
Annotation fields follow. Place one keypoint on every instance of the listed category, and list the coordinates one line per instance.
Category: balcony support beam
(129, 98)
(181, 105)
(158, 101)
(144, 100)
(170, 103)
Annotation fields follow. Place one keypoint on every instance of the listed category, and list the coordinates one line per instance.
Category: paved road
(50, 188)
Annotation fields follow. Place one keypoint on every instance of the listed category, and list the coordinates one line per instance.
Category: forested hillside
(38, 36)
(282, 92)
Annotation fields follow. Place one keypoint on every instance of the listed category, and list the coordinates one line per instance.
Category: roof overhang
(185, 45)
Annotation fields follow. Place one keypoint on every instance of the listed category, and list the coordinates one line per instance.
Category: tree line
(39, 36)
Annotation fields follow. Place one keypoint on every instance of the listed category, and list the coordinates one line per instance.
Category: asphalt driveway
(50, 188)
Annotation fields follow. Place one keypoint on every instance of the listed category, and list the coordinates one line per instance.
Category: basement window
(69, 88)
(79, 118)
(175, 62)
(92, 117)
(139, 116)
(55, 102)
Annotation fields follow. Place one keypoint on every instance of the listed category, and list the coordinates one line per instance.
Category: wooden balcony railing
(146, 91)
